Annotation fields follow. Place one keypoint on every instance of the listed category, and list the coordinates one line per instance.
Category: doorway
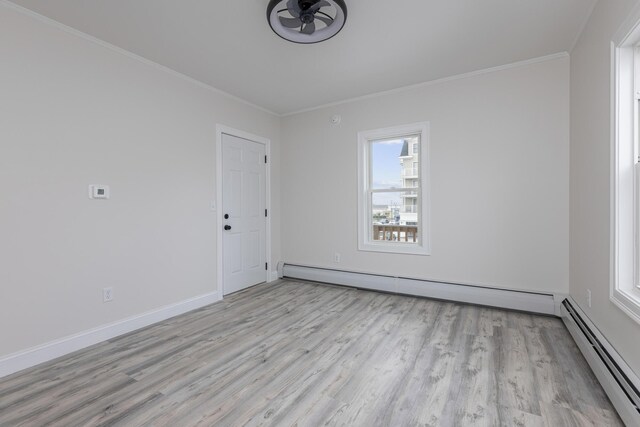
(243, 184)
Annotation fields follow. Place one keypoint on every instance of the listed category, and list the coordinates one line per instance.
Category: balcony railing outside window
(395, 233)
(410, 172)
(413, 194)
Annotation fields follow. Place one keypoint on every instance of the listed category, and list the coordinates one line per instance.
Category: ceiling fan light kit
(306, 21)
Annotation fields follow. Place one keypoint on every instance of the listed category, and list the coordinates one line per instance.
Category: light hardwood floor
(292, 353)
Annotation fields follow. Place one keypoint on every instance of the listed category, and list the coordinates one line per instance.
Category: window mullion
(394, 190)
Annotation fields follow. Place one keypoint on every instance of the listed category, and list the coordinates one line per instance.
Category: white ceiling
(384, 44)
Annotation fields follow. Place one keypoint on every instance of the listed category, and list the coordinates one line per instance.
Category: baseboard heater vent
(617, 379)
(503, 298)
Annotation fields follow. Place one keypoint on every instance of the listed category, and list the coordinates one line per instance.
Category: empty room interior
(320, 212)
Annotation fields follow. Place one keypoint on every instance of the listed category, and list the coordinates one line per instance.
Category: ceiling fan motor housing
(307, 17)
(306, 4)
(306, 21)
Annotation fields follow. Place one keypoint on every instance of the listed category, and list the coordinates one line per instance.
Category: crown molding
(512, 65)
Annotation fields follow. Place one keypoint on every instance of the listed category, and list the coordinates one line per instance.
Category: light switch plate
(97, 191)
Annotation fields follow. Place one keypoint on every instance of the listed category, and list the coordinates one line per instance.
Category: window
(393, 190)
(625, 169)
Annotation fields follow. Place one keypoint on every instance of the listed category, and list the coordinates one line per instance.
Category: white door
(244, 214)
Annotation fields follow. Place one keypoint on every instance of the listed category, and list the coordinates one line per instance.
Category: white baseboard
(543, 303)
(273, 276)
(43, 353)
(606, 365)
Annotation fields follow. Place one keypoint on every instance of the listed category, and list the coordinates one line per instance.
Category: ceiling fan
(306, 21)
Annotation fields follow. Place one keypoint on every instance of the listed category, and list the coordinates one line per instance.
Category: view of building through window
(395, 182)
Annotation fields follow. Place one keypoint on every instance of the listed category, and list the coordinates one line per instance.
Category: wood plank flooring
(302, 354)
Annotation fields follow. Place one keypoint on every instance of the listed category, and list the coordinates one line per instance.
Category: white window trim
(625, 203)
(423, 246)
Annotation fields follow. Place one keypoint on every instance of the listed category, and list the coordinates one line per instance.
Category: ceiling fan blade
(327, 21)
(310, 28)
(294, 8)
(290, 22)
(318, 5)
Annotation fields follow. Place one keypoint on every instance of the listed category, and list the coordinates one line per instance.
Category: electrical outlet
(107, 294)
(589, 297)
(336, 257)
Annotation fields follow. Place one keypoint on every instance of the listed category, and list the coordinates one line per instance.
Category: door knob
(227, 227)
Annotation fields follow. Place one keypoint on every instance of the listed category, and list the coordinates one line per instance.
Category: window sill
(629, 302)
(391, 248)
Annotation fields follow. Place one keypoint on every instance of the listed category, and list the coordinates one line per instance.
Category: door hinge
(266, 266)
(265, 212)
(265, 159)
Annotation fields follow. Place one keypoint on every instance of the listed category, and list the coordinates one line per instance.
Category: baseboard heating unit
(534, 302)
(617, 379)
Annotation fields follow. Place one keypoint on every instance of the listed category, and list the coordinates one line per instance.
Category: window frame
(365, 223)
(636, 168)
(625, 170)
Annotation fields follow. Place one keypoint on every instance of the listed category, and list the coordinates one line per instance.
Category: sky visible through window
(386, 170)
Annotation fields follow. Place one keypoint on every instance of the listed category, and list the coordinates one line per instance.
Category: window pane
(394, 163)
(386, 170)
(394, 216)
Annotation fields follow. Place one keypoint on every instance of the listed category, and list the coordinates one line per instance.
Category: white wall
(590, 178)
(499, 180)
(73, 113)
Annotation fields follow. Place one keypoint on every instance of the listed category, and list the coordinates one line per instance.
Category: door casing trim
(220, 130)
